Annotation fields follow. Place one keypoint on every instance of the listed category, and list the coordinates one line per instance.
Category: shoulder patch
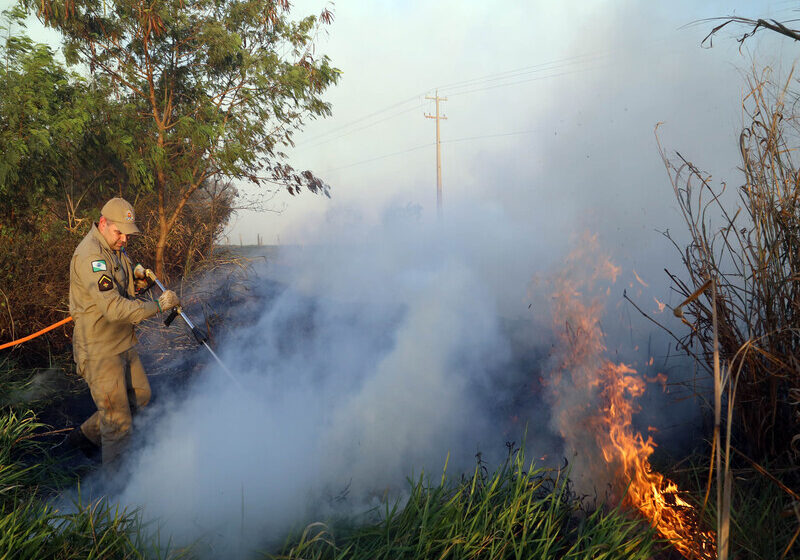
(105, 283)
(99, 266)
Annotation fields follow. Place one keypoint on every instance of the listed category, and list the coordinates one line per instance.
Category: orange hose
(34, 335)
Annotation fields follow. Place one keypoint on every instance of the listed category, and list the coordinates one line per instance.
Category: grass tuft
(517, 512)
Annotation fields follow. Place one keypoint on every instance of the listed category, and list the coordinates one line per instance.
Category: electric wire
(508, 74)
(381, 157)
(570, 65)
(428, 145)
(390, 117)
(444, 142)
(359, 120)
(534, 79)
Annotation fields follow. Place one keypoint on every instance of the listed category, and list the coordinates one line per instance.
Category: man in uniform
(102, 301)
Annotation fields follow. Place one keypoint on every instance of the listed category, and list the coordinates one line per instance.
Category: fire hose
(34, 335)
(198, 334)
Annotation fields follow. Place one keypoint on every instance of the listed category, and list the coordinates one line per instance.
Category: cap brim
(127, 228)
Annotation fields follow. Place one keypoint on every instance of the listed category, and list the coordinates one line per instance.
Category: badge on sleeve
(105, 283)
(99, 266)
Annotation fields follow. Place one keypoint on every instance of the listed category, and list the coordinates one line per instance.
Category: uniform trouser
(119, 386)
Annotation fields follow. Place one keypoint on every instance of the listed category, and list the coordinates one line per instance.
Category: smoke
(377, 354)
(370, 359)
(42, 385)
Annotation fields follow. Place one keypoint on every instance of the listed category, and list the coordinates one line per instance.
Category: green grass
(32, 529)
(518, 511)
(515, 513)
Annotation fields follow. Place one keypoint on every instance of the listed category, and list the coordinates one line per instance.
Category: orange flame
(583, 376)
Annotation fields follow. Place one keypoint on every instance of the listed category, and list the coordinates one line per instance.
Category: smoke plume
(363, 362)
(377, 355)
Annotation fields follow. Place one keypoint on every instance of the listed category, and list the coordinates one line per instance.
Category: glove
(141, 281)
(168, 300)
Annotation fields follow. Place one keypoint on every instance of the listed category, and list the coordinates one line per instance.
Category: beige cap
(120, 212)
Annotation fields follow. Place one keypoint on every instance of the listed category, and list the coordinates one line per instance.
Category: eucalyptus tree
(53, 125)
(217, 88)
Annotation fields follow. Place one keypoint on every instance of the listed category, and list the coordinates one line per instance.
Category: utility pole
(438, 152)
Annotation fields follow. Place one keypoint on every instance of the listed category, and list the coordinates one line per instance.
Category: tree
(216, 89)
(48, 119)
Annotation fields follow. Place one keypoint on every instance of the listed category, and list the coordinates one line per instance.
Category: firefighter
(102, 301)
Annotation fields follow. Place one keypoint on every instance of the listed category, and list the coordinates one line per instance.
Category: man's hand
(168, 300)
(141, 281)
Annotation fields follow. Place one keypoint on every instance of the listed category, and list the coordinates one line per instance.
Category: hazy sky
(550, 112)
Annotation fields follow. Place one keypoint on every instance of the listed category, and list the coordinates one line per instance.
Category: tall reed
(751, 247)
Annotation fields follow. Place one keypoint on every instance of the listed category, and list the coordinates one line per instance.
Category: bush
(61, 136)
(34, 265)
(754, 257)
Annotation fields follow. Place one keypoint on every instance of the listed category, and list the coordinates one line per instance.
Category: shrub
(754, 256)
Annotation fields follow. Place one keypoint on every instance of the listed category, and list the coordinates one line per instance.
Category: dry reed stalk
(754, 256)
(723, 476)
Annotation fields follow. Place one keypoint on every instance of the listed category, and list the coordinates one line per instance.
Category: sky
(551, 109)
(550, 113)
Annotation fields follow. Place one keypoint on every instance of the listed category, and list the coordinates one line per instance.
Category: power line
(534, 79)
(415, 148)
(395, 115)
(550, 65)
(361, 119)
(390, 117)
(480, 83)
(490, 136)
(428, 145)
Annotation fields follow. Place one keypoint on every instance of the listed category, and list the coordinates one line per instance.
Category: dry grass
(742, 291)
(753, 255)
(34, 260)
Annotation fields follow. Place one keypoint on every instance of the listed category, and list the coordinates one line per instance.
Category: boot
(77, 440)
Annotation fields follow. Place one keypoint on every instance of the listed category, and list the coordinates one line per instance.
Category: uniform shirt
(101, 300)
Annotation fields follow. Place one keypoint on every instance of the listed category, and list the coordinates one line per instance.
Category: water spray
(199, 335)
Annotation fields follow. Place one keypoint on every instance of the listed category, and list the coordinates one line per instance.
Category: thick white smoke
(372, 359)
(372, 356)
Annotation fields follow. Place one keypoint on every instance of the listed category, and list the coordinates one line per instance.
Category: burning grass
(518, 511)
(595, 400)
(762, 519)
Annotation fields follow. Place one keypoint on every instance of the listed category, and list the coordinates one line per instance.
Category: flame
(583, 376)
(638, 279)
